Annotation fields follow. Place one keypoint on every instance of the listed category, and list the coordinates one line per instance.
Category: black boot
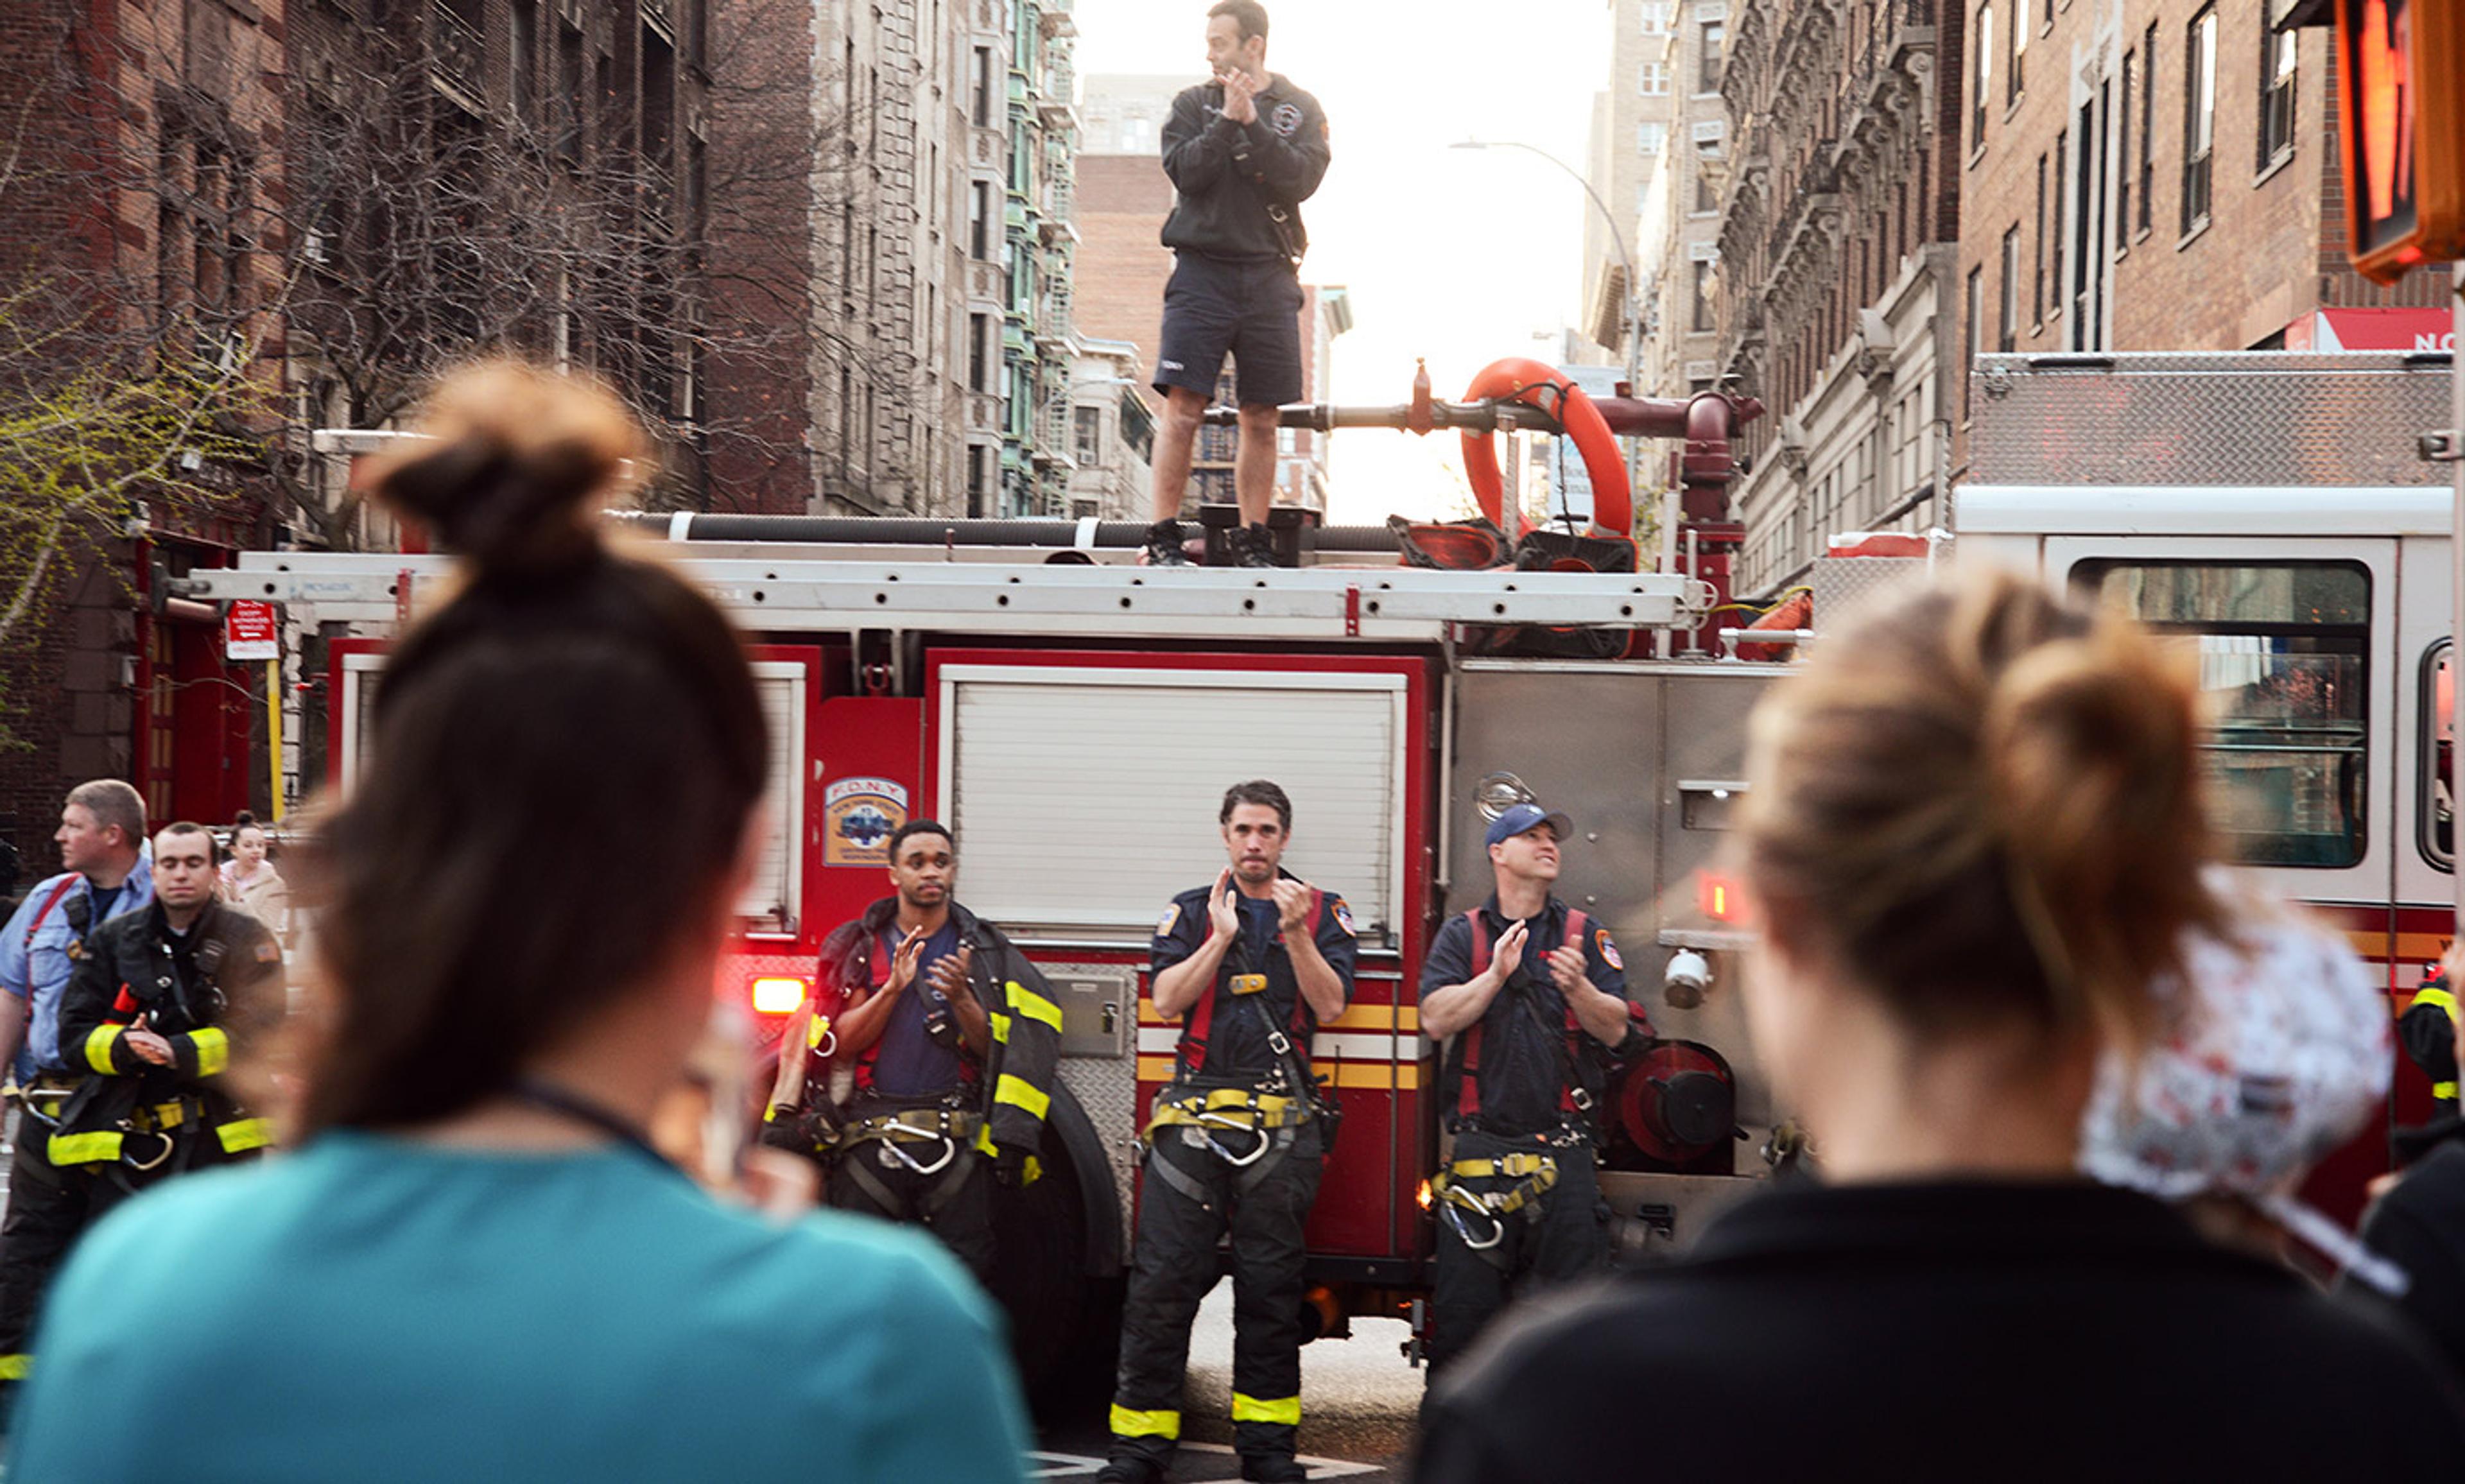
(1129, 1471)
(1164, 545)
(1273, 1468)
(1250, 545)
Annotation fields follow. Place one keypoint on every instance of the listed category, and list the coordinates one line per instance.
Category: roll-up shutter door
(1087, 798)
(778, 882)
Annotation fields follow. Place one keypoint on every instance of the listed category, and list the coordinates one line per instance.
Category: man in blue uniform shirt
(103, 843)
(1529, 995)
(1251, 965)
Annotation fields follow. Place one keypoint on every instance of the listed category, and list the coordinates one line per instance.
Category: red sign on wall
(249, 632)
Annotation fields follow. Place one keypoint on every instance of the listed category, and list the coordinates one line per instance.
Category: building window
(977, 480)
(1712, 37)
(2148, 128)
(2015, 66)
(1984, 76)
(2008, 327)
(980, 221)
(1969, 360)
(1656, 80)
(1652, 139)
(2037, 300)
(979, 88)
(2276, 63)
(1707, 173)
(2054, 239)
(2124, 178)
(1656, 16)
(1698, 317)
(1086, 434)
(2199, 114)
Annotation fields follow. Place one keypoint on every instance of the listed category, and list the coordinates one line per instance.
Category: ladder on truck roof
(785, 591)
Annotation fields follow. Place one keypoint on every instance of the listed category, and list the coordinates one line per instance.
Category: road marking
(1071, 1466)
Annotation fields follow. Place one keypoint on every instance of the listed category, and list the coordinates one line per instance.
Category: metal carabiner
(1454, 1215)
(152, 1162)
(949, 1152)
(1237, 1162)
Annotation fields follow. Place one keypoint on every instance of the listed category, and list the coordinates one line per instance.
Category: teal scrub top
(376, 1309)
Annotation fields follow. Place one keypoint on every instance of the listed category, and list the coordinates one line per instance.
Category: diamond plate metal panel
(1107, 1087)
(1842, 585)
(2223, 418)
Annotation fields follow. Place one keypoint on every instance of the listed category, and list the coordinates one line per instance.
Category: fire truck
(1074, 718)
(2290, 516)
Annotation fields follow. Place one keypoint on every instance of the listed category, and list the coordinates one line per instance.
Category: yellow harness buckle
(1246, 983)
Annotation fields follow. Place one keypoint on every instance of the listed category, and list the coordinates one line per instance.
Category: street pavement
(1358, 1401)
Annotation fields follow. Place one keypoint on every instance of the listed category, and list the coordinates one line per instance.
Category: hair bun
(518, 457)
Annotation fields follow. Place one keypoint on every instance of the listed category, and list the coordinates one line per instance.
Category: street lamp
(1634, 290)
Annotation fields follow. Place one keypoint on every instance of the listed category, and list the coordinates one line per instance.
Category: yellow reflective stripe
(245, 1134)
(1023, 1094)
(83, 1149)
(1033, 1006)
(1286, 1409)
(1001, 1025)
(213, 1050)
(15, 1367)
(2439, 997)
(2445, 1092)
(1128, 1424)
(98, 1048)
(984, 1140)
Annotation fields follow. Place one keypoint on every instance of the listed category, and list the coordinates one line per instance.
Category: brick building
(1838, 296)
(146, 159)
(2160, 176)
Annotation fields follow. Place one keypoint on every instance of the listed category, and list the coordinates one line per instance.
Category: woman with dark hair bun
(475, 1267)
(1975, 839)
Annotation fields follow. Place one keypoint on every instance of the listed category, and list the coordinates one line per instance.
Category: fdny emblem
(1609, 950)
(1343, 917)
(859, 816)
(1287, 119)
(1163, 924)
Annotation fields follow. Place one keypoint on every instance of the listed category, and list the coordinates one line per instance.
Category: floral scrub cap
(2278, 1050)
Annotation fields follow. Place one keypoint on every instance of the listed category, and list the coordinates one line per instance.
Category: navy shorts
(1250, 307)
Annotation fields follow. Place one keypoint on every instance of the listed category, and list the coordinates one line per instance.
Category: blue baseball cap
(1526, 817)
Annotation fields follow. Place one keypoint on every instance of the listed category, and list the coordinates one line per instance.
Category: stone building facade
(1678, 223)
(1837, 274)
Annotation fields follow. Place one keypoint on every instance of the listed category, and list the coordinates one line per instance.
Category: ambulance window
(2437, 809)
(2284, 652)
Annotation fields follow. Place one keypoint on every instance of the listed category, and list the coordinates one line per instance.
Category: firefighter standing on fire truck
(1530, 996)
(1251, 964)
(952, 1037)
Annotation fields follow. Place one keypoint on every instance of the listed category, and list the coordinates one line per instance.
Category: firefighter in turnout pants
(1530, 996)
(155, 1003)
(950, 1038)
(1251, 966)
(103, 843)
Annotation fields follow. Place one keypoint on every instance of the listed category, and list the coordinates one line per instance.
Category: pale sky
(1457, 256)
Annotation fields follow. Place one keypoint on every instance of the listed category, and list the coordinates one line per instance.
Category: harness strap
(1572, 1098)
(1191, 1051)
(49, 902)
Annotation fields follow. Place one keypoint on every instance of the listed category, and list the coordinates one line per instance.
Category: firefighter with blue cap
(1531, 997)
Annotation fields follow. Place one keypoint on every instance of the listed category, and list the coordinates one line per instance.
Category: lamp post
(1634, 290)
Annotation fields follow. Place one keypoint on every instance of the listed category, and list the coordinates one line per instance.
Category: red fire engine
(1074, 718)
